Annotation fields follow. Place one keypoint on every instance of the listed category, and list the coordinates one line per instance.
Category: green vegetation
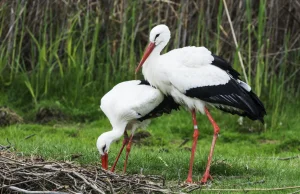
(244, 157)
(72, 53)
(64, 55)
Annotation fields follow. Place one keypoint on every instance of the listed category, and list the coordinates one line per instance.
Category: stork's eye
(103, 149)
(157, 35)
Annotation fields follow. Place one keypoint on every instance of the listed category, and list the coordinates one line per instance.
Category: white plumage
(129, 101)
(123, 105)
(189, 56)
(174, 73)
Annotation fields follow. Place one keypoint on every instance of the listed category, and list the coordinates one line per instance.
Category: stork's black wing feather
(166, 106)
(231, 97)
(144, 82)
(223, 64)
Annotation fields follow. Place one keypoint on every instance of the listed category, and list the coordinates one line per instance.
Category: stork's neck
(117, 131)
(154, 56)
(119, 127)
(158, 48)
(115, 134)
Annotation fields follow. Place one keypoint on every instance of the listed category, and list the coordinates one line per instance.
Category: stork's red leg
(125, 141)
(216, 132)
(195, 139)
(128, 148)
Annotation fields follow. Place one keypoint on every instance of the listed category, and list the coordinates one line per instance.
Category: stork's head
(104, 141)
(103, 144)
(159, 38)
(160, 34)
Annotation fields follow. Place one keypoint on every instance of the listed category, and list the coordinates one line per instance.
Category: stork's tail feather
(244, 103)
(260, 110)
(255, 109)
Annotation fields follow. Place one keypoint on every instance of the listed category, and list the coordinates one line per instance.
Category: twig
(25, 167)
(289, 158)
(183, 143)
(194, 188)
(75, 182)
(12, 160)
(110, 186)
(2, 147)
(60, 186)
(22, 182)
(31, 192)
(8, 141)
(88, 183)
(29, 136)
(235, 41)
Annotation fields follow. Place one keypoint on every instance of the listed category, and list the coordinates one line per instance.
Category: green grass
(241, 157)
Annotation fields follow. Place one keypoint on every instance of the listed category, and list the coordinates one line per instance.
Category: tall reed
(75, 51)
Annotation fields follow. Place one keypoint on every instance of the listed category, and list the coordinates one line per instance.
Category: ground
(250, 155)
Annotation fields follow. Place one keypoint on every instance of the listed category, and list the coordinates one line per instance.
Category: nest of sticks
(34, 175)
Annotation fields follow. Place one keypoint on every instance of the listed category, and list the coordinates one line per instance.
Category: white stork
(128, 106)
(196, 78)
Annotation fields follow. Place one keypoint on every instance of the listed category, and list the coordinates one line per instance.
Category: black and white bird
(195, 78)
(128, 106)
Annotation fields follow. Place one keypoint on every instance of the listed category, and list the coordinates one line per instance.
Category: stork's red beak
(147, 52)
(104, 160)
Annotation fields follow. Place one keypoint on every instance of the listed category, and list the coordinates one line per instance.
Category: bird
(198, 80)
(130, 105)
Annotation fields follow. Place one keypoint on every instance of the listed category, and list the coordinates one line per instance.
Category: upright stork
(196, 79)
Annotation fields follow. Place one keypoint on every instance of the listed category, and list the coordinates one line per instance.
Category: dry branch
(39, 192)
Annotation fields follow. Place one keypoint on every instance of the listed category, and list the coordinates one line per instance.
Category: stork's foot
(189, 180)
(206, 177)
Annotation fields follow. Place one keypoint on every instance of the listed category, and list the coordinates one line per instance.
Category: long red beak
(104, 160)
(147, 52)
